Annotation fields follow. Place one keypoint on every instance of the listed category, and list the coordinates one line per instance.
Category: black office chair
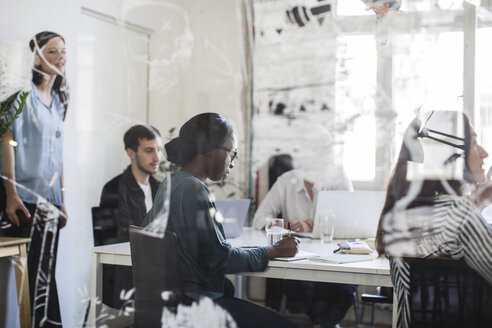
(382, 295)
(103, 225)
(104, 233)
(274, 290)
(447, 293)
(155, 265)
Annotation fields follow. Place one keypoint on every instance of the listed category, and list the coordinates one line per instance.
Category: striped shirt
(452, 228)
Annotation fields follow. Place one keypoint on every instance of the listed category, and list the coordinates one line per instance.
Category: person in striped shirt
(430, 209)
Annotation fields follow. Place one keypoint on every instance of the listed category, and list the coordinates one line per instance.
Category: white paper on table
(343, 258)
(301, 255)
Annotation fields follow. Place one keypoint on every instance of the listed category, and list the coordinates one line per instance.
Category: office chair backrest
(275, 296)
(156, 274)
(448, 293)
(104, 225)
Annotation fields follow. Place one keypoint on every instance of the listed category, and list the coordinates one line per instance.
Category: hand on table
(286, 247)
(302, 225)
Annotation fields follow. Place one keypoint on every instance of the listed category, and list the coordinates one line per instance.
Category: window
(355, 104)
(427, 72)
(483, 115)
(352, 8)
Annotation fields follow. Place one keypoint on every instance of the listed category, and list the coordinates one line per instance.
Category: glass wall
(325, 87)
(384, 70)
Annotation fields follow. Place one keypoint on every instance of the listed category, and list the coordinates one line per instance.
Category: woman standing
(427, 214)
(32, 170)
(206, 149)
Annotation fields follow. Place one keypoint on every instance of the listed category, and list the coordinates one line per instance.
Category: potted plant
(8, 117)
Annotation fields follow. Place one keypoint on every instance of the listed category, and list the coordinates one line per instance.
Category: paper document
(343, 258)
(301, 255)
(298, 234)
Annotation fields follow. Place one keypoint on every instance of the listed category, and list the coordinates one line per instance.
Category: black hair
(136, 132)
(198, 135)
(278, 165)
(398, 184)
(60, 85)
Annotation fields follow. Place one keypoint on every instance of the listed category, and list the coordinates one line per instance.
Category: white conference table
(373, 273)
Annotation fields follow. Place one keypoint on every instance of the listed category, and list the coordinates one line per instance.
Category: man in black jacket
(130, 195)
(133, 191)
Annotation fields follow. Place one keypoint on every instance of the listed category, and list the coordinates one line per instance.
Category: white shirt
(148, 195)
(290, 198)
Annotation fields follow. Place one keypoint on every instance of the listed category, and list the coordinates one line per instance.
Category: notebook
(356, 212)
(234, 212)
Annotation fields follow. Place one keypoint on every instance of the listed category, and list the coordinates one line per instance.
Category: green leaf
(7, 118)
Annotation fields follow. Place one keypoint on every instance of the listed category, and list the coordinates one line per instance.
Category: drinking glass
(326, 227)
(274, 228)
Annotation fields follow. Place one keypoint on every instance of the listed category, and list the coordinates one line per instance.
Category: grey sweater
(205, 255)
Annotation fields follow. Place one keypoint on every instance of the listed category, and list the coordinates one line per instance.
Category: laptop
(234, 212)
(356, 212)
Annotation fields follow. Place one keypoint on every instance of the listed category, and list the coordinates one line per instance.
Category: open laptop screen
(234, 212)
(356, 212)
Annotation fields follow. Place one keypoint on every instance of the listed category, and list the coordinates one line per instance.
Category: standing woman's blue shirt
(38, 132)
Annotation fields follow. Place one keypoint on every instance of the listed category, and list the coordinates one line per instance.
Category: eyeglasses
(232, 150)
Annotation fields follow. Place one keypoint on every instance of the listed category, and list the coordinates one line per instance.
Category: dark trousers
(41, 262)
(326, 303)
(247, 314)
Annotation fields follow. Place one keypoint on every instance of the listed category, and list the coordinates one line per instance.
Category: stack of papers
(343, 258)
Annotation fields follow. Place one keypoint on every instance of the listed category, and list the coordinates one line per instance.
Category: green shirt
(205, 255)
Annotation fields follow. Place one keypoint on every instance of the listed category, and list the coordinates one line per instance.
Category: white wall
(197, 62)
(196, 66)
